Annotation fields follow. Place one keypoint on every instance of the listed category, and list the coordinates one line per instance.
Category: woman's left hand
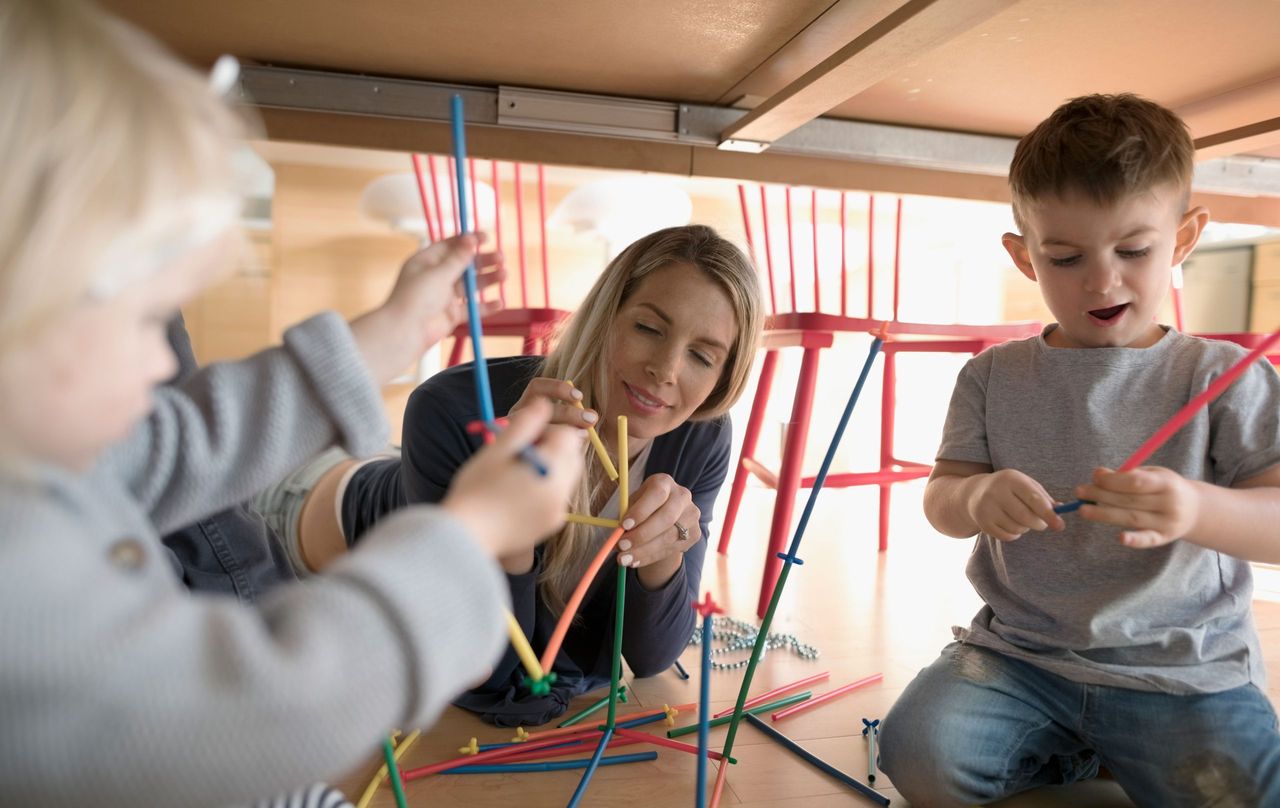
(664, 525)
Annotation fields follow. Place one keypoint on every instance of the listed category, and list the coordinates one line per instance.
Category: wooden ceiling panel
(1006, 75)
(675, 50)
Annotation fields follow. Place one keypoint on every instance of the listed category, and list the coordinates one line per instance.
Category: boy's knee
(929, 761)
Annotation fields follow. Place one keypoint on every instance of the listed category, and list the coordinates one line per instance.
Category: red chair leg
(529, 346)
(888, 404)
(749, 441)
(789, 476)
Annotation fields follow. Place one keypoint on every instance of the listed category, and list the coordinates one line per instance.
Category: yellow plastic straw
(382, 770)
(624, 488)
(523, 650)
(591, 520)
(598, 445)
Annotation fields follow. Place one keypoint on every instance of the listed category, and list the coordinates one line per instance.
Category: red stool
(814, 331)
(534, 326)
(1245, 339)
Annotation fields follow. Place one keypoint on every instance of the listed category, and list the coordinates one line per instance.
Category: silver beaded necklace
(739, 635)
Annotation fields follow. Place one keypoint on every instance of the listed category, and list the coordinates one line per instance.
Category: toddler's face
(1104, 270)
(84, 380)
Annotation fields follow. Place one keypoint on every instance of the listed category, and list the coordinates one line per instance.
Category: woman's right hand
(564, 398)
(503, 501)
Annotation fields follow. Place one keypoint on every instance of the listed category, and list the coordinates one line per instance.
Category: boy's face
(83, 381)
(1104, 270)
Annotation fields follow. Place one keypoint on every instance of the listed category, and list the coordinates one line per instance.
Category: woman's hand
(661, 524)
(426, 304)
(564, 398)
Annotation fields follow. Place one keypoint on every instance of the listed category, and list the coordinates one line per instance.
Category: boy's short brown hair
(1104, 146)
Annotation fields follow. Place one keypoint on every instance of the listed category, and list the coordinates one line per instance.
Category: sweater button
(127, 554)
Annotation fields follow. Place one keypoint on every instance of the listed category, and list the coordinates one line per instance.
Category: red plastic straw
(422, 196)
(791, 250)
(1182, 416)
(777, 691)
(768, 250)
(817, 286)
(466, 760)
(524, 278)
(575, 600)
(542, 215)
(871, 256)
(435, 194)
(658, 740)
(497, 222)
(828, 696)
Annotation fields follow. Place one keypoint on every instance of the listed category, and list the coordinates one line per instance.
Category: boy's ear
(1017, 247)
(1189, 230)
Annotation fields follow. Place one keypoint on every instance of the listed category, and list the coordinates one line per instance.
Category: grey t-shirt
(1077, 603)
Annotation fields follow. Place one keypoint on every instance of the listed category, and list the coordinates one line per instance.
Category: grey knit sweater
(119, 687)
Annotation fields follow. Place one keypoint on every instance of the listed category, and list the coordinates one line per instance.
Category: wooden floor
(866, 613)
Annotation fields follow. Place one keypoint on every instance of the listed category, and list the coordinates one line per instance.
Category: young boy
(1121, 635)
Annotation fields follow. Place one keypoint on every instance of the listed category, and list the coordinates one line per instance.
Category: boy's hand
(426, 304)
(1007, 503)
(507, 506)
(1155, 505)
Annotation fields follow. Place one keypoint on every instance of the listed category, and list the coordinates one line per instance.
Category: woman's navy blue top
(658, 622)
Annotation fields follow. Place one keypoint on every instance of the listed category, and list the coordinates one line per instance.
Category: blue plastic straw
(813, 760)
(704, 711)
(552, 765)
(581, 790)
(790, 557)
(1072, 507)
(480, 367)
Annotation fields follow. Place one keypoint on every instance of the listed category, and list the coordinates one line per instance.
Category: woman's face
(671, 342)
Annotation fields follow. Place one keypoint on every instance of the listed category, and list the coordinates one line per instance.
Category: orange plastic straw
(571, 608)
(715, 795)
(777, 691)
(828, 696)
(555, 733)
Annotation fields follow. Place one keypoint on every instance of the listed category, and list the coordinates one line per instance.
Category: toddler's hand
(1008, 503)
(1155, 505)
(426, 304)
(505, 503)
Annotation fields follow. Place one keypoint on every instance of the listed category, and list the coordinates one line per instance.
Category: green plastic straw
(759, 708)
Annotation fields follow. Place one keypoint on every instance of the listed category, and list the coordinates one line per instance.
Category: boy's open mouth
(1109, 313)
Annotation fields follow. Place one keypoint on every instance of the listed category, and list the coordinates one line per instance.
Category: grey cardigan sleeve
(122, 689)
(235, 427)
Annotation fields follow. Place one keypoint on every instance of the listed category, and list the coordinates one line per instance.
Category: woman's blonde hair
(587, 338)
(116, 158)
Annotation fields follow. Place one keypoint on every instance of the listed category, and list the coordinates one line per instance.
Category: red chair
(814, 331)
(1247, 339)
(534, 326)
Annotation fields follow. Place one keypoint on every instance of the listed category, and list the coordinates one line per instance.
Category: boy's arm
(946, 497)
(963, 498)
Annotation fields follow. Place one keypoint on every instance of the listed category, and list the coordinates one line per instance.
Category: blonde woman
(666, 337)
(118, 687)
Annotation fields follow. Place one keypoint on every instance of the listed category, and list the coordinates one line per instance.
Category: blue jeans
(976, 726)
